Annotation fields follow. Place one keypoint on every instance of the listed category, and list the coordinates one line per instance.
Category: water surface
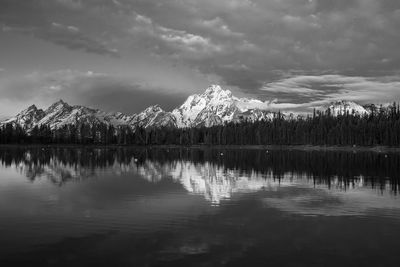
(198, 207)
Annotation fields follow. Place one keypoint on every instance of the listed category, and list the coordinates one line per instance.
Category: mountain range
(215, 106)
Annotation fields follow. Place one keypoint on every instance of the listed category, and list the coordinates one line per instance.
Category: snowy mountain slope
(386, 107)
(197, 107)
(217, 106)
(27, 118)
(61, 113)
(153, 116)
(344, 107)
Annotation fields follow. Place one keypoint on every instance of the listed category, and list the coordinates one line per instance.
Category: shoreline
(377, 149)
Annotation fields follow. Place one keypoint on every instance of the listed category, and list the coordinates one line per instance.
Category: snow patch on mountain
(153, 116)
(346, 107)
(27, 118)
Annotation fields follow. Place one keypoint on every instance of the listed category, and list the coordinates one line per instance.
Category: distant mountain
(215, 106)
(27, 118)
(344, 107)
(372, 108)
(153, 116)
(60, 114)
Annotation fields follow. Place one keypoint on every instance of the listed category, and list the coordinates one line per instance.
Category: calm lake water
(198, 207)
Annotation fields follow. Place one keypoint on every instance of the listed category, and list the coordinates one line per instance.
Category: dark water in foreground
(198, 207)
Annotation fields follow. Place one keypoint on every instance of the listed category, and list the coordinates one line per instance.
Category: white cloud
(323, 89)
(73, 28)
(143, 19)
(178, 40)
(219, 27)
(63, 27)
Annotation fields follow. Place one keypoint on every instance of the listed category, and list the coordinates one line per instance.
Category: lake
(198, 207)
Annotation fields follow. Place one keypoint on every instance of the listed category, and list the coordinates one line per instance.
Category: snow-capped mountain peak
(154, 116)
(215, 92)
(343, 107)
(152, 109)
(200, 107)
(27, 118)
(217, 106)
(31, 108)
(213, 88)
(59, 105)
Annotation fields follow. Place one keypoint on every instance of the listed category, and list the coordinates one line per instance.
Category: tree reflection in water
(215, 173)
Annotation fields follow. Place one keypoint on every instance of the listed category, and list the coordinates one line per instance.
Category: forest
(321, 128)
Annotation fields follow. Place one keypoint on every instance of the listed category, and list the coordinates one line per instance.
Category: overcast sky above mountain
(124, 55)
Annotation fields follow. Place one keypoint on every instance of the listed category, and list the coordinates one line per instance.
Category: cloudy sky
(123, 55)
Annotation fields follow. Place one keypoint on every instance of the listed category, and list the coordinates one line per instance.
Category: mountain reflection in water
(63, 206)
(218, 174)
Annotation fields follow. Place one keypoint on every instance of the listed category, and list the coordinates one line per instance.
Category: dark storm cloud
(247, 42)
(35, 17)
(97, 90)
(219, 36)
(337, 5)
(72, 38)
(250, 44)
